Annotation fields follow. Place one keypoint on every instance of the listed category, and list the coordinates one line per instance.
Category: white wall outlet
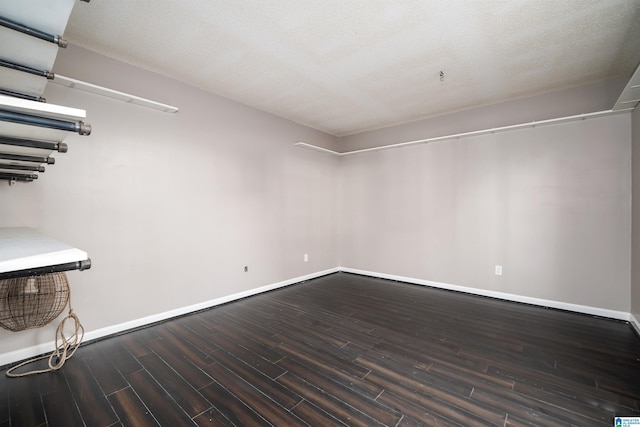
(498, 270)
(306, 257)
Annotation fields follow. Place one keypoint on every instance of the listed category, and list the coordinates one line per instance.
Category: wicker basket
(32, 302)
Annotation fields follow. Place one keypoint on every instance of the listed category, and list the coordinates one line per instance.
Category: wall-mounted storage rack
(30, 129)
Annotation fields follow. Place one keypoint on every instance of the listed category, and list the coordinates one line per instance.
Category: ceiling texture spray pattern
(346, 66)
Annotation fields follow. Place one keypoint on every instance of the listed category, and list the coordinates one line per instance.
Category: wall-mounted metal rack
(30, 129)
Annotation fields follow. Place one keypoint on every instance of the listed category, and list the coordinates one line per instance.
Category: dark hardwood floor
(345, 350)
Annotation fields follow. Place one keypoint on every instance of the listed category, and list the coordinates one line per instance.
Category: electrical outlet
(306, 257)
(498, 270)
(246, 268)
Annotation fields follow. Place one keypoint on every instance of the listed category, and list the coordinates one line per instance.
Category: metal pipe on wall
(32, 32)
(28, 119)
(77, 265)
(60, 147)
(18, 177)
(29, 168)
(22, 95)
(18, 67)
(31, 159)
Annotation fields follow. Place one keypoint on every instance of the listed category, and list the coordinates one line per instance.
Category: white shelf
(24, 249)
(41, 109)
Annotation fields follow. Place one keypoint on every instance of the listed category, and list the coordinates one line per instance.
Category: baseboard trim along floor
(584, 309)
(15, 356)
(635, 323)
(47, 347)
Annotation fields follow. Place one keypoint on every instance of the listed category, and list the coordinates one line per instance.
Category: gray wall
(635, 248)
(550, 204)
(171, 207)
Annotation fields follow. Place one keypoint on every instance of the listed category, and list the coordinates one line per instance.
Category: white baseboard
(25, 353)
(28, 352)
(634, 323)
(596, 311)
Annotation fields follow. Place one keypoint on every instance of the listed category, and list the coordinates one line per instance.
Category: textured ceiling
(345, 66)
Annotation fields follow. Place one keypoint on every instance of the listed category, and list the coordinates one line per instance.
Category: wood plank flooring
(345, 350)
